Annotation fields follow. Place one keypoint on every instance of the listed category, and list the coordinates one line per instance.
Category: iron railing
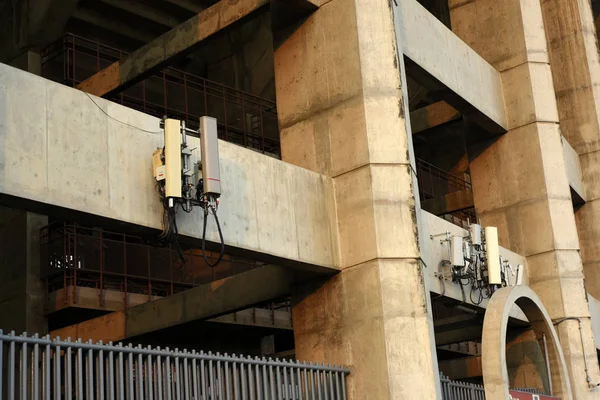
(457, 390)
(243, 118)
(43, 368)
(462, 218)
(74, 256)
(435, 182)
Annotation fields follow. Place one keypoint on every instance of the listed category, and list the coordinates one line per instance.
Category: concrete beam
(469, 347)
(438, 51)
(451, 202)
(113, 300)
(177, 41)
(431, 116)
(92, 156)
(258, 317)
(458, 322)
(458, 335)
(202, 302)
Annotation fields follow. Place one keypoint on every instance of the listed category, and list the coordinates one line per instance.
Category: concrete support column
(525, 361)
(519, 182)
(26, 25)
(22, 294)
(341, 113)
(576, 72)
(29, 61)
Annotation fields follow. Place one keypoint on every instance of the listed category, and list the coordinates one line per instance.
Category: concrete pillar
(576, 72)
(341, 109)
(525, 362)
(519, 182)
(29, 61)
(26, 25)
(22, 293)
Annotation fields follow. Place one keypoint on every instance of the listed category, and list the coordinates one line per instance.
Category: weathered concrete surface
(202, 302)
(431, 116)
(74, 156)
(576, 74)
(341, 106)
(22, 292)
(171, 44)
(520, 182)
(494, 355)
(431, 45)
(573, 50)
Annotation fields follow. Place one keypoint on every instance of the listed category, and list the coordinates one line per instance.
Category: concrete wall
(434, 47)
(57, 147)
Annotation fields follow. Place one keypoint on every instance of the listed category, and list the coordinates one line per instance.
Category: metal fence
(74, 256)
(41, 368)
(243, 118)
(435, 182)
(457, 390)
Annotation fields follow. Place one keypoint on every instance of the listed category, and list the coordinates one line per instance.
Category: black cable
(121, 122)
(222, 252)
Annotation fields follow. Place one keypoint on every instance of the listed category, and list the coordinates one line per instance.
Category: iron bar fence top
(139, 350)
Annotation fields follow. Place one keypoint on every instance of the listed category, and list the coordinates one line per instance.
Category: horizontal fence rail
(41, 368)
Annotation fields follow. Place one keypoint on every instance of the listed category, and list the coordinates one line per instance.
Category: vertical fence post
(149, 280)
(75, 265)
(101, 294)
(225, 113)
(125, 299)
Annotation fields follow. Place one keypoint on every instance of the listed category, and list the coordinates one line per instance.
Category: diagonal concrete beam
(431, 116)
(177, 41)
(202, 302)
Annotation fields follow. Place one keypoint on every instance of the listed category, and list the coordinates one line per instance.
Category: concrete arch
(493, 357)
